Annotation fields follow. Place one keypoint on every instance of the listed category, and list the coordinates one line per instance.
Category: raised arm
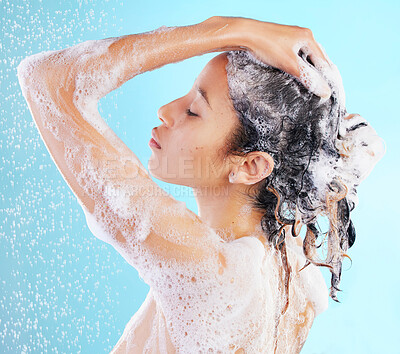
(123, 206)
(63, 88)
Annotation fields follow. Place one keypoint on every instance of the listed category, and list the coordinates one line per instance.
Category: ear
(256, 166)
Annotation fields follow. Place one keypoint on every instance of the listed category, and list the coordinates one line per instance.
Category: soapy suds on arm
(193, 272)
(142, 222)
(127, 205)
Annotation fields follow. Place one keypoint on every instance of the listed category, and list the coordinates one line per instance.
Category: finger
(311, 53)
(321, 50)
(313, 80)
(317, 57)
(290, 65)
(311, 74)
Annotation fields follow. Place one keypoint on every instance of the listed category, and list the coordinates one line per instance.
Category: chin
(155, 172)
(150, 169)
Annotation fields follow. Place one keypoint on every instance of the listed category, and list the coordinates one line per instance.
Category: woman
(265, 125)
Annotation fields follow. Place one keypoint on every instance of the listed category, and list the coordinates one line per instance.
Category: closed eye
(190, 113)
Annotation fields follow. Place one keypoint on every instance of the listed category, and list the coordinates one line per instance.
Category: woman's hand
(292, 49)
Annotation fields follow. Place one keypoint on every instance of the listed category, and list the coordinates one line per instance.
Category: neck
(229, 212)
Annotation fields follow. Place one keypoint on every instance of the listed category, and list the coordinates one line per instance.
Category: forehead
(213, 80)
(214, 72)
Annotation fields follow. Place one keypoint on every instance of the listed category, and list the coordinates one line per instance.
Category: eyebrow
(203, 93)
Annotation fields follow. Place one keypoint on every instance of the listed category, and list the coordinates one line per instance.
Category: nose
(172, 112)
(164, 114)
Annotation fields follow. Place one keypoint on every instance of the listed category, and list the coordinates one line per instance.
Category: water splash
(51, 297)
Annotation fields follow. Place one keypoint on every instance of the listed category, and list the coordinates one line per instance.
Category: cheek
(195, 157)
(197, 152)
(181, 153)
(189, 144)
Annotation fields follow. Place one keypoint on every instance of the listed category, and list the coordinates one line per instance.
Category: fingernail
(325, 90)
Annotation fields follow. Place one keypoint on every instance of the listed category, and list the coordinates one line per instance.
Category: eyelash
(190, 113)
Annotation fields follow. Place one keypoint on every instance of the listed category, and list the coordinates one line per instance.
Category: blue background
(63, 290)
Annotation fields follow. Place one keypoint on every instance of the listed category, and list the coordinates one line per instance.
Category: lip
(154, 141)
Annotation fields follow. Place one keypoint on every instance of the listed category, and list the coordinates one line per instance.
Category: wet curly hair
(278, 115)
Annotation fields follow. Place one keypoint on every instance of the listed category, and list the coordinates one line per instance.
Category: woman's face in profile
(191, 145)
